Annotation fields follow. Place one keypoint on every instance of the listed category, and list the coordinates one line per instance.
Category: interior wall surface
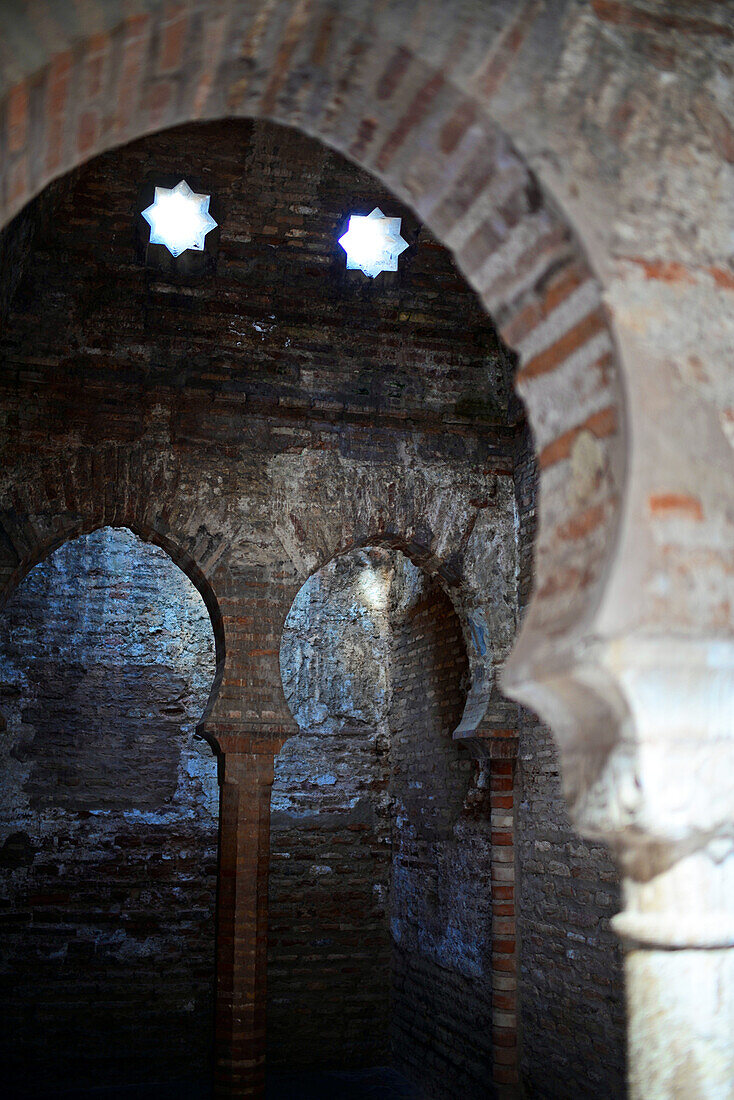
(108, 820)
(571, 976)
(263, 415)
(271, 412)
(380, 895)
(441, 892)
(622, 111)
(331, 825)
(16, 243)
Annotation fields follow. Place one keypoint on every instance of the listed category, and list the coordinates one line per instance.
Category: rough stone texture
(261, 423)
(108, 820)
(623, 110)
(430, 138)
(571, 983)
(332, 823)
(380, 903)
(441, 893)
(378, 838)
(256, 421)
(216, 412)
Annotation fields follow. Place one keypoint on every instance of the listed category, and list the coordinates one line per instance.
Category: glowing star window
(373, 243)
(179, 218)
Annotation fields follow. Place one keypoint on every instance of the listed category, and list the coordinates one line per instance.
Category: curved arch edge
(177, 554)
(643, 725)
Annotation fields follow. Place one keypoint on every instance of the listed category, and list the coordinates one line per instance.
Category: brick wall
(571, 982)
(380, 912)
(108, 820)
(431, 134)
(441, 895)
(331, 825)
(261, 395)
(264, 415)
(372, 779)
(571, 978)
(267, 321)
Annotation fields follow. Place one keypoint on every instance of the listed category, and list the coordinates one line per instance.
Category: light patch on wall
(373, 243)
(373, 587)
(179, 218)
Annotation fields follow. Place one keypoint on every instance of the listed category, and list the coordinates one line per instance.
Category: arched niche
(109, 817)
(39, 545)
(380, 833)
(411, 115)
(400, 357)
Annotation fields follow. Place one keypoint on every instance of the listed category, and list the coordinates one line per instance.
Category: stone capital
(645, 728)
(244, 739)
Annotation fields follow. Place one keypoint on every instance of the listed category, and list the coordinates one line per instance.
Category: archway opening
(380, 924)
(109, 821)
(279, 407)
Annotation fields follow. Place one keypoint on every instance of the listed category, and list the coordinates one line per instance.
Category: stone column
(242, 921)
(645, 726)
(678, 927)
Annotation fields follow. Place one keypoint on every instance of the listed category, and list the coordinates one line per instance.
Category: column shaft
(242, 918)
(680, 1018)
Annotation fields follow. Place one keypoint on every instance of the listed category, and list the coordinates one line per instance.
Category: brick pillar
(242, 924)
(505, 1071)
(499, 747)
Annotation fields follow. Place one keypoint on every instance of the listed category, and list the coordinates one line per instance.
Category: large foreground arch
(627, 646)
(350, 82)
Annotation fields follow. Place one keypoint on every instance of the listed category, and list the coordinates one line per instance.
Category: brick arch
(360, 88)
(464, 601)
(37, 527)
(41, 549)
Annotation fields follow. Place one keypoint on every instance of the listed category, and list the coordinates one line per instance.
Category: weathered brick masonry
(109, 821)
(376, 672)
(440, 904)
(526, 136)
(255, 420)
(329, 933)
(569, 963)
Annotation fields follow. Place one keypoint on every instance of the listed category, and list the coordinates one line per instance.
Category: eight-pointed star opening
(179, 218)
(373, 243)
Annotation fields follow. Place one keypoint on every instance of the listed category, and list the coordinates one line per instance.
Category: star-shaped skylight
(179, 218)
(373, 243)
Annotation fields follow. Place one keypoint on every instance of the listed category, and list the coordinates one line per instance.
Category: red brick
(578, 335)
(600, 424)
(173, 37)
(680, 505)
(17, 118)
